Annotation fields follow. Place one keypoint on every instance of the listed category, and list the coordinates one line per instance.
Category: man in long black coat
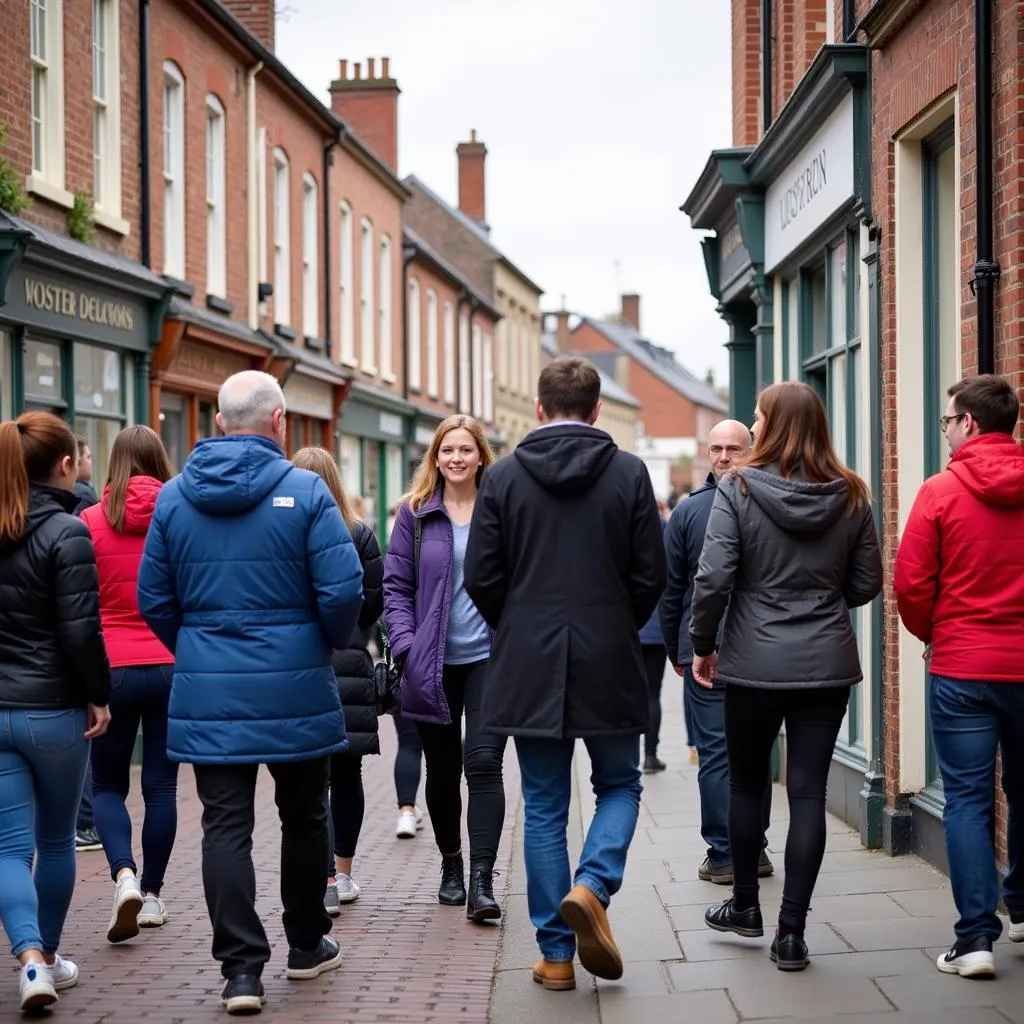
(565, 561)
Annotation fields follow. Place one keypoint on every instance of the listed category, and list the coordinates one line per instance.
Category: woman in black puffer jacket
(353, 668)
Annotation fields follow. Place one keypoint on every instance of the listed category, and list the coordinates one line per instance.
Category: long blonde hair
(425, 482)
(320, 461)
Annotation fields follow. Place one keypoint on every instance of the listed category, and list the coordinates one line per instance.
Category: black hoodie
(51, 645)
(565, 561)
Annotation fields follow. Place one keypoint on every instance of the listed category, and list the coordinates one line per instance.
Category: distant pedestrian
(443, 645)
(250, 579)
(960, 589)
(652, 646)
(790, 548)
(566, 563)
(54, 685)
(83, 490)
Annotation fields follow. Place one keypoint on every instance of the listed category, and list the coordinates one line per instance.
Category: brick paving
(407, 959)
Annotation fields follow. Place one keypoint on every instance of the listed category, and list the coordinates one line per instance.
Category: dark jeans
(228, 793)
(408, 762)
(707, 729)
(655, 661)
(970, 720)
(346, 806)
(85, 819)
(753, 717)
(138, 694)
(484, 753)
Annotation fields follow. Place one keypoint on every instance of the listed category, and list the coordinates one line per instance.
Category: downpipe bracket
(984, 271)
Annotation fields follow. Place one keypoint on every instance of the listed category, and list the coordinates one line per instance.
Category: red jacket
(129, 640)
(960, 565)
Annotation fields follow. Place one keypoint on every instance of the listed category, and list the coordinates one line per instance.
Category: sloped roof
(659, 361)
(433, 256)
(610, 387)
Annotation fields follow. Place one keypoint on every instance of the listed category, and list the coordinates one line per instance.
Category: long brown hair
(424, 483)
(320, 461)
(30, 449)
(137, 451)
(794, 435)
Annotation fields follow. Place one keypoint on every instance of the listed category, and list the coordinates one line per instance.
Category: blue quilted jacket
(250, 578)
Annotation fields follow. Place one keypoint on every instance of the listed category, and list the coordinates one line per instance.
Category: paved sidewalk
(875, 928)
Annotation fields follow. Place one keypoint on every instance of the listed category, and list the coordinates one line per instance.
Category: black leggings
(484, 754)
(346, 806)
(752, 721)
(655, 660)
(408, 762)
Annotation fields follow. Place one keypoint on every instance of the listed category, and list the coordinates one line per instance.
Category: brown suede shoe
(581, 910)
(555, 976)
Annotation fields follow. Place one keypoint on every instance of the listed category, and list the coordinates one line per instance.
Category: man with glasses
(728, 442)
(960, 589)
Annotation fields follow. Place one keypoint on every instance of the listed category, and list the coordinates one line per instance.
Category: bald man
(728, 442)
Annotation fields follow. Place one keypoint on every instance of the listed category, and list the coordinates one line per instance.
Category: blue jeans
(545, 766)
(970, 720)
(85, 819)
(43, 755)
(137, 694)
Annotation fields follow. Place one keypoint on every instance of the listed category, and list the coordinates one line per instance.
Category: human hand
(99, 719)
(705, 669)
(679, 670)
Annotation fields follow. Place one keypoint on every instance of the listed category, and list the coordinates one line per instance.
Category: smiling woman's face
(458, 458)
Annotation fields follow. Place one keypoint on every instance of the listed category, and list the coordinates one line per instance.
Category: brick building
(849, 227)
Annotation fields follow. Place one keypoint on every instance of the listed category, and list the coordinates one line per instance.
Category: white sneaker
(153, 913)
(409, 823)
(969, 963)
(35, 987)
(1016, 931)
(64, 973)
(348, 891)
(124, 914)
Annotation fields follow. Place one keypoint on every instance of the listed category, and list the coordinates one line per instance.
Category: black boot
(481, 905)
(453, 882)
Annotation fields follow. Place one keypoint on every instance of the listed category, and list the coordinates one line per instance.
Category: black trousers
(484, 754)
(752, 720)
(346, 807)
(228, 796)
(655, 662)
(408, 762)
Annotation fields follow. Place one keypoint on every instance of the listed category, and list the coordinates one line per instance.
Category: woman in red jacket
(140, 688)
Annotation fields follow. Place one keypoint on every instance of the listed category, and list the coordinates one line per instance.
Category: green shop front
(792, 262)
(77, 326)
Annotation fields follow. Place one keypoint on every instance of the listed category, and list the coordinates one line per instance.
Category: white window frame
(310, 262)
(46, 92)
(346, 285)
(502, 333)
(431, 343)
(106, 97)
(282, 240)
(449, 352)
(488, 377)
(367, 319)
(477, 366)
(465, 379)
(174, 170)
(385, 299)
(415, 341)
(216, 193)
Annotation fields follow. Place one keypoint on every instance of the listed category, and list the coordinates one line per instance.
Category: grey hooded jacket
(789, 561)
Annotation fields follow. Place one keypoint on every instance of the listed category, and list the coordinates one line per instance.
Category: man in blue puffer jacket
(250, 578)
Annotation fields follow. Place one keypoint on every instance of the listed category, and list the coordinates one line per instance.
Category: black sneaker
(452, 892)
(970, 959)
(652, 763)
(303, 965)
(720, 874)
(789, 953)
(764, 866)
(243, 995)
(87, 839)
(725, 918)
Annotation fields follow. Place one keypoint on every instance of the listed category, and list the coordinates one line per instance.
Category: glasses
(717, 449)
(944, 421)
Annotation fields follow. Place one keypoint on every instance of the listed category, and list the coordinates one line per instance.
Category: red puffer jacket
(960, 565)
(129, 640)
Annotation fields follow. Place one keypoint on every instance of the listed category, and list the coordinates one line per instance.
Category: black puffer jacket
(354, 667)
(51, 647)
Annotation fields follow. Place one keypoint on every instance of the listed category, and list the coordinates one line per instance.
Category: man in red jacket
(960, 588)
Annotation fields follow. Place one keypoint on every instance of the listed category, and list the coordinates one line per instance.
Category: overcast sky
(598, 116)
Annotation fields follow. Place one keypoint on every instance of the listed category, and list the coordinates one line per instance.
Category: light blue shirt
(468, 640)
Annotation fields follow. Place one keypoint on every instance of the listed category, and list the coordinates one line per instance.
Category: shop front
(427, 422)
(314, 391)
(77, 327)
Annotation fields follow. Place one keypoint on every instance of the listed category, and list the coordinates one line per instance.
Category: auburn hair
(425, 482)
(795, 436)
(320, 461)
(137, 451)
(31, 447)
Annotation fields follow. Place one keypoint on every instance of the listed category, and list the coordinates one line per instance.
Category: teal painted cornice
(723, 178)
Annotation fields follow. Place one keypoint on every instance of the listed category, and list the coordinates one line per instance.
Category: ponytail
(13, 482)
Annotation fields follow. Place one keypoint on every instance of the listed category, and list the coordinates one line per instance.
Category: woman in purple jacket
(442, 644)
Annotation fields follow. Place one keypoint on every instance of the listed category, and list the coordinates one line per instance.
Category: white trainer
(348, 891)
(153, 913)
(1016, 930)
(972, 963)
(124, 913)
(409, 823)
(64, 973)
(35, 987)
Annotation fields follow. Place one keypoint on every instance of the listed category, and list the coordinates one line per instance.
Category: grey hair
(247, 401)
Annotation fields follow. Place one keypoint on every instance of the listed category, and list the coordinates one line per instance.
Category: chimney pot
(385, 67)
(369, 106)
(343, 70)
(371, 67)
(631, 310)
(357, 71)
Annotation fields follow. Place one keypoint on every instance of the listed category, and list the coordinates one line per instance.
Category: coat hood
(794, 505)
(44, 502)
(139, 502)
(991, 467)
(228, 475)
(566, 459)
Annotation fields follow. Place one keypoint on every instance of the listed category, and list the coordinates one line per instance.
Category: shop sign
(814, 185)
(83, 312)
(424, 436)
(309, 397)
(205, 364)
(391, 424)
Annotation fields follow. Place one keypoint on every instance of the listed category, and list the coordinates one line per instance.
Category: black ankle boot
(453, 882)
(481, 905)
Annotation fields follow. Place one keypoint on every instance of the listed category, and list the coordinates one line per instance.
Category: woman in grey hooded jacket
(790, 549)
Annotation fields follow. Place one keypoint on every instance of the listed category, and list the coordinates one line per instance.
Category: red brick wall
(746, 72)
(429, 279)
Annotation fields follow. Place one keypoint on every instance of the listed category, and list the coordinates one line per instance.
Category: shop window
(370, 491)
(174, 428)
(346, 304)
(350, 464)
(366, 311)
(46, 50)
(310, 275)
(6, 389)
(465, 381)
(207, 421)
(384, 301)
(414, 341)
(99, 411)
(44, 376)
(282, 241)
(449, 353)
(431, 343)
(394, 478)
(106, 97)
(174, 171)
(216, 223)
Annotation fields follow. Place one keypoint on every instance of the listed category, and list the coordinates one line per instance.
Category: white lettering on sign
(391, 424)
(53, 298)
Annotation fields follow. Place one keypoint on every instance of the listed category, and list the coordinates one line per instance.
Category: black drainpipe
(408, 255)
(986, 270)
(766, 62)
(849, 21)
(145, 228)
(328, 284)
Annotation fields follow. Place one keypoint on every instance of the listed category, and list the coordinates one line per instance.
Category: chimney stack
(563, 339)
(257, 16)
(472, 193)
(369, 106)
(631, 310)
